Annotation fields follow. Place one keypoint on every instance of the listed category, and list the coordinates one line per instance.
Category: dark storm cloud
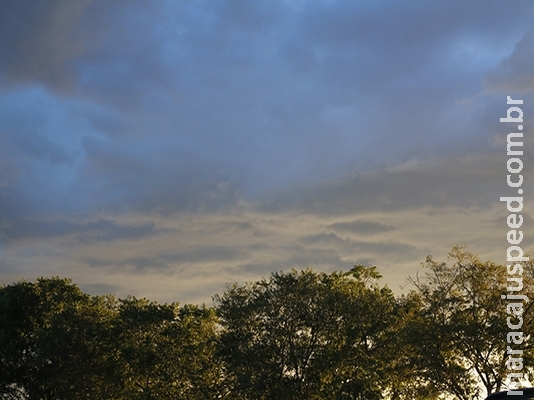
(43, 42)
(208, 102)
(115, 113)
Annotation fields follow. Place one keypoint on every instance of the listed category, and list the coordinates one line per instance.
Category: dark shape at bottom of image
(517, 394)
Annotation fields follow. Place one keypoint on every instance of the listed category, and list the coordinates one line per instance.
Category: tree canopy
(296, 335)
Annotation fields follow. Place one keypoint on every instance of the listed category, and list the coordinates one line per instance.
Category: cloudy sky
(166, 148)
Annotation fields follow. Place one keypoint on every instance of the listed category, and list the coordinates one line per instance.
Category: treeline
(296, 335)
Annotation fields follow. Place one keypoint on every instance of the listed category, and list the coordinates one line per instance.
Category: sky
(166, 149)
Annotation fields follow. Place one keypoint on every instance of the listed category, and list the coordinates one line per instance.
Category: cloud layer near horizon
(166, 149)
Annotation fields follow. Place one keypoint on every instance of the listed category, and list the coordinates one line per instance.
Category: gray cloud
(39, 40)
(101, 230)
(362, 227)
(198, 142)
(515, 72)
(465, 182)
(345, 245)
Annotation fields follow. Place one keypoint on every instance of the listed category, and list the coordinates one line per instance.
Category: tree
(57, 342)
(407, 376)
(83, 343)
(461, 329)
(306, 335)
(167, 351)
(51, 341)
(297, 335)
